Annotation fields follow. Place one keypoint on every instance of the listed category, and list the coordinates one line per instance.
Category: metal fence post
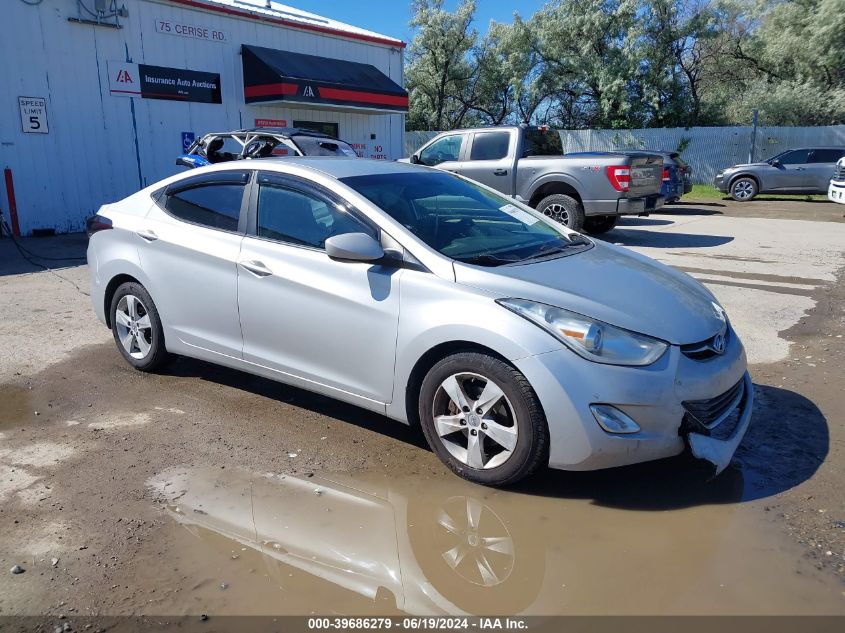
(753, 137)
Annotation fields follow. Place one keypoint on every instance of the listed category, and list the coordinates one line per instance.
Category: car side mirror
(776, 163)
(354, 247)
(415, 159)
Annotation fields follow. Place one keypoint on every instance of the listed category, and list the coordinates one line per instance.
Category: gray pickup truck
(584, 192)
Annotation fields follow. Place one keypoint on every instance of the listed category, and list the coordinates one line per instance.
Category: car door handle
(799, 169)
(256, 268)
(500, 172)
(147, 235)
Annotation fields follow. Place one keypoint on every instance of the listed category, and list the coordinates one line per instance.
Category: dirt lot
(204, 490)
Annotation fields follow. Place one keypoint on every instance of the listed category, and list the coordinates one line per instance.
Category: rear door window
(211, 200)
(490, 145)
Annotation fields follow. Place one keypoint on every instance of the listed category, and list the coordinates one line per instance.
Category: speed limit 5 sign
(34, 115)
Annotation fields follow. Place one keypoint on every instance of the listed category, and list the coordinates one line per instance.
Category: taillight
(620, 177)
(665, 174)
(97, 223)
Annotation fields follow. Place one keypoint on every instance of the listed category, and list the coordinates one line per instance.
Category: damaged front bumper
(716, 448)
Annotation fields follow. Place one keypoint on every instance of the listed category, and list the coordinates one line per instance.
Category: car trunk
(646, 174)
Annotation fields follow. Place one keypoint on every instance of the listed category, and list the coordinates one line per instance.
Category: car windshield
(464, 221)
(319, 146)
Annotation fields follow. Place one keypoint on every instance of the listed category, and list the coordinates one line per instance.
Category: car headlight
(592, 339)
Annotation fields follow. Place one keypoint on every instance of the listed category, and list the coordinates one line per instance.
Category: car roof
(337, 166)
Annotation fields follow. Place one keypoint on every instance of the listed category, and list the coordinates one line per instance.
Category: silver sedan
(434, 300)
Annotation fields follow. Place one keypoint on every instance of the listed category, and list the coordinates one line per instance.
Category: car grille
(708, 414)
(839, 172)
(705, 350)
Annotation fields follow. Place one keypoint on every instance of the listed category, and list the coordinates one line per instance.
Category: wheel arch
(750, 175)
(111, 288)
(428, 360)
(551, 187)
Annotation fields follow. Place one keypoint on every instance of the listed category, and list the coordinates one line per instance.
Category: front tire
(136, 327)
(598, 224)
(483, 420)
(564, 209)
(744, 189)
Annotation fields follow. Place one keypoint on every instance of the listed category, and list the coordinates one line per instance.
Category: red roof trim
(290, 23)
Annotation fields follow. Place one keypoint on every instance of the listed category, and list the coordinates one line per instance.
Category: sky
(390, 17)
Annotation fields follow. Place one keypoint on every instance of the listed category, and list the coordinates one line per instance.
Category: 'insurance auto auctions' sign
(159, 82)
(127, 79)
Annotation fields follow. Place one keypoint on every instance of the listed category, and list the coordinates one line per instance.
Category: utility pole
(753, 137)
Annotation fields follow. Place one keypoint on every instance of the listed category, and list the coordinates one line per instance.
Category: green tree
(785, 58)
(440, 71)
(630, 63)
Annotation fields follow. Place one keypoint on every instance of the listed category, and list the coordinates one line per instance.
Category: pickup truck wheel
(564, 209)
(743, 189)
(600, 223)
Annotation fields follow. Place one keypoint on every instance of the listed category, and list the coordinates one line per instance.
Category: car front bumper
(720, 182)
(652, 396)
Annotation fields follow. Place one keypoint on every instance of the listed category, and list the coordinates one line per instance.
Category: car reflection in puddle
(373, 543)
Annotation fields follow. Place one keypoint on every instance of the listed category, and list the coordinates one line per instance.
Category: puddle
(251, 543)
(16, 407)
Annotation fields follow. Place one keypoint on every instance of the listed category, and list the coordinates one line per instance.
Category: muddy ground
(205, 490)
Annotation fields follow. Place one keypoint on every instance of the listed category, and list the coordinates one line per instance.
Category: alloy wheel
(558, 213)
(744, 189)
(134, 329)
(474, 420)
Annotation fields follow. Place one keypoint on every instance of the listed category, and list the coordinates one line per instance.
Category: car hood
(744, 165)
(613, 285)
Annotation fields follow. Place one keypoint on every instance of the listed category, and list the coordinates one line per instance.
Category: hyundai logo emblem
(719, 344)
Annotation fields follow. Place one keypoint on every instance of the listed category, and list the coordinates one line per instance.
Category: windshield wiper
(486, 260)
(548, 250)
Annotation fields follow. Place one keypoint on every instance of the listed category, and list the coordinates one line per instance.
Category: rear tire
(598, 224)
(744, 189)
(136, 327)
(497, 435)
(564, 209)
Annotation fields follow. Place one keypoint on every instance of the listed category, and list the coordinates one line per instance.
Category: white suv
(836, 189)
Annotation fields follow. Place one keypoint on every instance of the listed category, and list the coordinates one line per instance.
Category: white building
(98, 96)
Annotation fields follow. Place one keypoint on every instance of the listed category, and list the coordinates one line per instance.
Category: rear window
(316, 146)
(541, 142)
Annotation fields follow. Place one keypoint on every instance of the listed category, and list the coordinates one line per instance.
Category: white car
(836, 188)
